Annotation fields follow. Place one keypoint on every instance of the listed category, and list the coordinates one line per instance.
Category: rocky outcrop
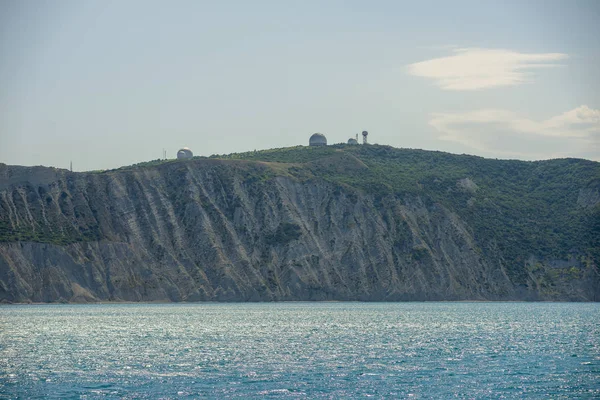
(213, 230)
(588, 198)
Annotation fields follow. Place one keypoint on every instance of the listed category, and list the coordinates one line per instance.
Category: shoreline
(286, 302)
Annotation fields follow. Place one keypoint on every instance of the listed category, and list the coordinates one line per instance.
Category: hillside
(339, 222)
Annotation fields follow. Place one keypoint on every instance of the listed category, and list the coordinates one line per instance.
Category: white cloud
(575, 133)
(474, 68)
(583, 119)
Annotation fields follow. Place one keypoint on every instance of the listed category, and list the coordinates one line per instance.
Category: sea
(327, 350)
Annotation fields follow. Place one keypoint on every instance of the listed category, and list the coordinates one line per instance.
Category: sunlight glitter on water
(328, 350)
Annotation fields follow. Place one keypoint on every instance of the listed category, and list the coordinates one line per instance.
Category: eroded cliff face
(209, 230)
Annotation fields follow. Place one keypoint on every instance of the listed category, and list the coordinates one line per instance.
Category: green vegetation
(144, 164)
(45, 235)
(515, 209)
(285, 233)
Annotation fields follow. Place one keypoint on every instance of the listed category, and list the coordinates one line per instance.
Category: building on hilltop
(317, 139)
(185, 153)
(352, 141)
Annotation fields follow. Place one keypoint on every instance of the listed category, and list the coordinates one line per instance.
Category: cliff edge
(369, 223)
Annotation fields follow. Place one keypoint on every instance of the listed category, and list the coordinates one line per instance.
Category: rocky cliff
(246, 229)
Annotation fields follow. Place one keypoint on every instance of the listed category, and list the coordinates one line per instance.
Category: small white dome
(185, 153)
(317, 139)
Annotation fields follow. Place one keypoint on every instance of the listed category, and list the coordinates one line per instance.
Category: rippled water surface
(311, 350)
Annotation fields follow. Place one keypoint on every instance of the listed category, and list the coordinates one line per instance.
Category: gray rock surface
(206, 230)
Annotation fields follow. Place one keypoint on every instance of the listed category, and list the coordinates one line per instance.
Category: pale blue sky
(111, 83)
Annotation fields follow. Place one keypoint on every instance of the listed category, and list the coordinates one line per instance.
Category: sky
(105, 83)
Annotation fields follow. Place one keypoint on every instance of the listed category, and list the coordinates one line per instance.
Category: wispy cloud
(575, 133)
(475, 68)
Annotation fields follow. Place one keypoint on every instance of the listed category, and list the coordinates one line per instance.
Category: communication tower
(365, 134)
